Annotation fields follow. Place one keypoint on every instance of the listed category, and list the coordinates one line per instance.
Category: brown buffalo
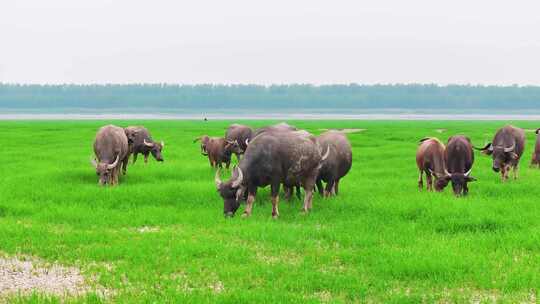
(238, 137)
(459, 158)
(140, 141)
(506, 149)
(111, 149)
(535, 162)
(337, 164)
(217, 150)
(288, 158)
(430, 160)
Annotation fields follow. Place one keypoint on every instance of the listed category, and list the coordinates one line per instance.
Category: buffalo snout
(496, 169)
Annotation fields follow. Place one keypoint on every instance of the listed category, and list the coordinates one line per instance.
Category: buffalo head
(204, 142)
(503, 156)
(104, 170)
(155, 149)
(231, 191)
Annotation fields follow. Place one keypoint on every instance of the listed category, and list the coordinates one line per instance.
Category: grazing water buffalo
(536, 153)
(430, 160)
(506, 149)
(140, 141)
(459, 159)
(238, 137)
(217, 150)
(288, 158)
(337, 164)
(111, 149)
(204, 142)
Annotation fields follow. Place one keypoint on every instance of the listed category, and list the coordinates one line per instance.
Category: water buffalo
(506, 149)
(140, 141)
(204, 141)
(111, 149)
(238, 136)
(535, 161)
(337, 164)
(430, 160)
(217, 149)
(459, 158)
(288, 158)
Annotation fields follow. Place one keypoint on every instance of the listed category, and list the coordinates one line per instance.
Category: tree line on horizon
(249, 96)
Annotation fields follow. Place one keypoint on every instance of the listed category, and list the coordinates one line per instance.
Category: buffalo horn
(325, 156)
(217, 179)
(162, 144)
(93, 161)
(238, 179)
(510, 149)
(115, 162)
(147, 143)
(468, 172)
(247, 141)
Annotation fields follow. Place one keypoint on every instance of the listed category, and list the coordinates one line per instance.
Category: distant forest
(253, 97)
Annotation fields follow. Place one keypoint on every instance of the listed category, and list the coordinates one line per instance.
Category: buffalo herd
(283, 156)
(454, 162)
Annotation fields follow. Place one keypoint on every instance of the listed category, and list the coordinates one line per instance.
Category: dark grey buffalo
(535, 161)
(430, 160)
(506, 149)
(337, 164)
(111, 149)
(140, 141)
(238, 137)
(459, 159)
(289, 158)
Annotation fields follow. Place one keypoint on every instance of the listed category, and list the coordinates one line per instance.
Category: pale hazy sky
(273, 41)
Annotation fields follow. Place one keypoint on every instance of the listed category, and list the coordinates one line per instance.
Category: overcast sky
(272, 41)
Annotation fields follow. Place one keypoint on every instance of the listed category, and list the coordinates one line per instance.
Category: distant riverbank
(269, 116)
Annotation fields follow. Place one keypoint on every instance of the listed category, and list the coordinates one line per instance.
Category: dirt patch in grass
(345, 130)
(28, 275)
(441, 130)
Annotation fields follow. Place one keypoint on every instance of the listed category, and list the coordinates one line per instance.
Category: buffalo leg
(275, 199)
(135, 157)
(320, 187)
(125, 164)
(227, 164)
(336, 187)
(328, 191)
(308, 198)
(145, 158)
(429, 181)
(249, 205)
(288, 192)
(465, 189)
(420, 180)
(516, 172)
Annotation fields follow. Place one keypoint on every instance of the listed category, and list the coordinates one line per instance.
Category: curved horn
(196, 139)
(446, 172)
(162, 144)
(424, 139)
(488, 146)
(468, 172)
(151, 145)
(115, 162)
(537, 131)
(238, 179)
(247, 141)
(93, 162)
(510, 149)
(217, 179)
(325, 156)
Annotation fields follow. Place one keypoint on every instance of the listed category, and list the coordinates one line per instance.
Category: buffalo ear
(470, 179)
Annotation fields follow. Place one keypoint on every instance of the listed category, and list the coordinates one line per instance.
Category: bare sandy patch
(148, 229)
(441, 130)
(345, 130)
(27, 275)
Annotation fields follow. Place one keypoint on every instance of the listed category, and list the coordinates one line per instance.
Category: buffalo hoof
(275, 216)
(245, 215)
(228, 215)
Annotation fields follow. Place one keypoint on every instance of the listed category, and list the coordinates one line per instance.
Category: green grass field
(160, 236)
